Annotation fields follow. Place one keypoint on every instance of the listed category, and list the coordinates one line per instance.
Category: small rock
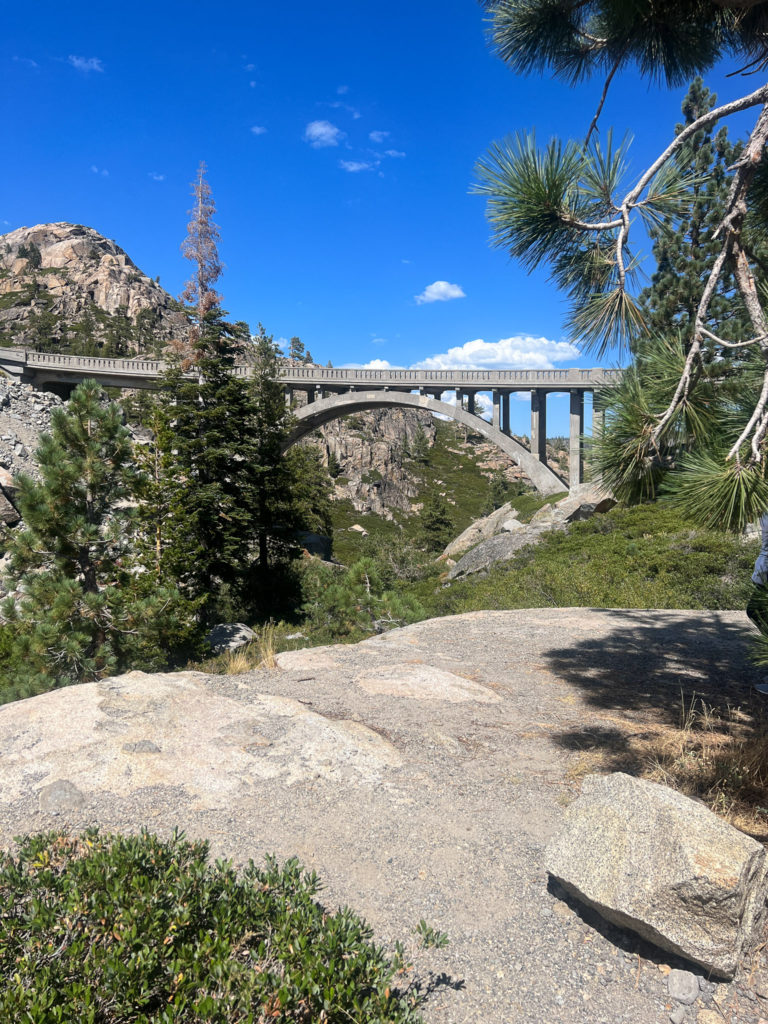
(141, 747)
(228, 636)
(678, 1015)
(683, 986)
(60, 796)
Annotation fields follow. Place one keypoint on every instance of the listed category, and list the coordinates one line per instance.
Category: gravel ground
(425, 772)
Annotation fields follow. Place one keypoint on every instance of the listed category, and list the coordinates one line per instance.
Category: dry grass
(719, 756)
(259, 653)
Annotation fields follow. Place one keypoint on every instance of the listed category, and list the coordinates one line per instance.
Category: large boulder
(481, 529)
(499, 537)
(660, 864)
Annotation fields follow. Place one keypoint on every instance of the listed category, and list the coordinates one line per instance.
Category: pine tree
(685, 246)
(81, 609)
(229, 501)
(296, 349)
(572, 206)
(435, 522)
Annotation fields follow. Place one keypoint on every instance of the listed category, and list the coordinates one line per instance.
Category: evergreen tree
(81, 609)
(227, 500)
(204, 521)
(570, 205)
(498, 493)
(685, 243)
(296, 349)
(436, 523)
(355, 602)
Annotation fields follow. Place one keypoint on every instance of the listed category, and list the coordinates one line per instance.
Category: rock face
(370, 451)
(652, 860)
(505, 536)
(24, 415)
(483, 529)
(66, 286)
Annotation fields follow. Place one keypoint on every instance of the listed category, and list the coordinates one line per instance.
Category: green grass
(648, 556)
(466, 490)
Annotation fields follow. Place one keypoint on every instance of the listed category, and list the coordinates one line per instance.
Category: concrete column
(505, 427)
(496, 409)
(598, 416)
(471, 402)
(460, 398)
(576, 461)
(539, 425)
(310, 395)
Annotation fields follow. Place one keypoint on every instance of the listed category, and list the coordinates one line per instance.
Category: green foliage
(83, 609)
(556, 206)
(106, 928)
(705, 211)
(436, 522)
(499, 491)
(352, 603)
(670, 40)
(648, 556)
(227, 499)
(430, 937)
(685, 247)
(418, 447)
(334, 466)
(296, 349)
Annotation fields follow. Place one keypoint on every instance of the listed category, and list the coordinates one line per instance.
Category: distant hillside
(65, 287)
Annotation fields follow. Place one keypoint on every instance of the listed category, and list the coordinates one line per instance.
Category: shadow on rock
(645, 664)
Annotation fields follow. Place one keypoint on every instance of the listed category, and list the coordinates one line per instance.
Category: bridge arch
(315, 414)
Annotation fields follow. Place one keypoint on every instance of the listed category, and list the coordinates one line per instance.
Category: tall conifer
(81, 607)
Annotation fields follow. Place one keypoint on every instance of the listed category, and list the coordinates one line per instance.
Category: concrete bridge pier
(506, 426)
(576, 454)
(539, 424)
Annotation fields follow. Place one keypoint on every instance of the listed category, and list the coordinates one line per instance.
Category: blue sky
(340, 140)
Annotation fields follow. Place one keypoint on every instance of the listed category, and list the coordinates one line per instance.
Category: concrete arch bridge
(331, 393)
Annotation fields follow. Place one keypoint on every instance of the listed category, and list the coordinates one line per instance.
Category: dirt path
(420, 773)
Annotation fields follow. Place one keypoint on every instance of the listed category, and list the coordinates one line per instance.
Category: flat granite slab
(420, 773)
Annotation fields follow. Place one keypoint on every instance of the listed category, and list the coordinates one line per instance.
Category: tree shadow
(680, 686)
(647, 662)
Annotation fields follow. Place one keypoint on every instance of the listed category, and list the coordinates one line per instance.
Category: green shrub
(106, 929)
(648, 556)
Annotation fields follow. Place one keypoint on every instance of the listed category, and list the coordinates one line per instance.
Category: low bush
(647, 556)
(102, 929)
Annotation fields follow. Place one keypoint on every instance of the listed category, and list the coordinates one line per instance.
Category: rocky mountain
(66, 287)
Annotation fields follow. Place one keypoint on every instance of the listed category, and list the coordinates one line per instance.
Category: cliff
(65, 287)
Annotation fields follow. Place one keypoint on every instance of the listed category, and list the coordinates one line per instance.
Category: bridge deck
(54, 365)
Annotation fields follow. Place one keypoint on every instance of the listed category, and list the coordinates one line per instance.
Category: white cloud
(86, 63)
(519, 352)
(353, 166)
(439, 291)
(342, 90)
(258, 129)
(322, 133)
(99, 170)
(378, 137)
(27, 62)
(250, 67)
(155, 176)
(393, 152)
(338, 105)
(252, 84)
(373, 364)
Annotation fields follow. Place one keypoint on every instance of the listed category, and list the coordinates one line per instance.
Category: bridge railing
(318, 375)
